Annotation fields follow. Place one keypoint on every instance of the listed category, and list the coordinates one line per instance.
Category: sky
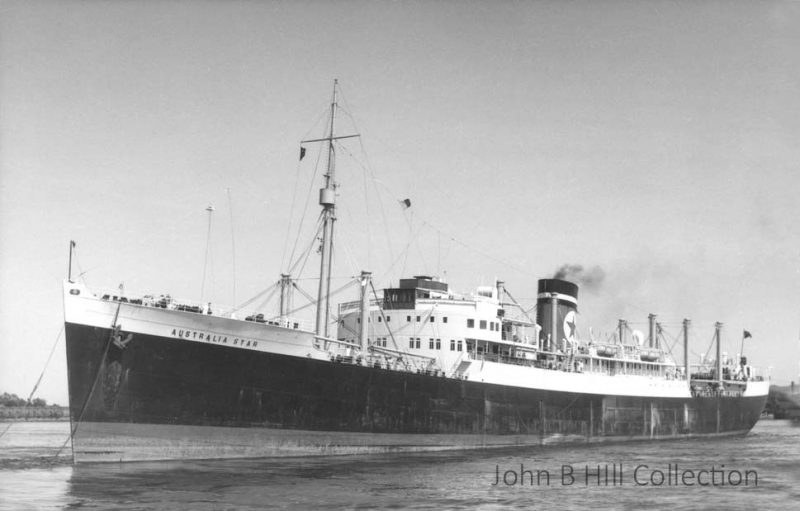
(653, 143)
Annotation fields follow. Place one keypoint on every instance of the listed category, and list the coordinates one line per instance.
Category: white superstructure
(423, 326)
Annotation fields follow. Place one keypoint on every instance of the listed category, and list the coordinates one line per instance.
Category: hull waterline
(172, 398)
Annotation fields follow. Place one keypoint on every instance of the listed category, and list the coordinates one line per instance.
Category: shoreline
(33, 413)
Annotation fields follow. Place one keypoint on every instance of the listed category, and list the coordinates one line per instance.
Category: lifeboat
(607, 351)
(649, 355)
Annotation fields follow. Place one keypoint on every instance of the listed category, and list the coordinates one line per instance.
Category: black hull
(171, 398)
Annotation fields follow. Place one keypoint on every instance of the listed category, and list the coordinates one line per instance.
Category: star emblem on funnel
(569, 325)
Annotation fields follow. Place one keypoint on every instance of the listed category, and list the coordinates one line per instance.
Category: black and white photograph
(403, 254)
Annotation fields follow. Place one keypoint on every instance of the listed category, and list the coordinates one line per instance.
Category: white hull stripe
(560, 296)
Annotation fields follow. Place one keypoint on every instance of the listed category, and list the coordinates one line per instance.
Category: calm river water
(759, 471)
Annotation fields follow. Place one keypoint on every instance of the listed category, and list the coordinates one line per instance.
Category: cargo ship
(412, 367)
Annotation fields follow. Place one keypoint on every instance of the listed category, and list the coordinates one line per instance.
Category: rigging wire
(304, 293)
(266, 300)
(81, 273)
(450, 237)
(402, 254)
(422, 254)
(410, 223)
(704, 354)
(6, 430)
(210, 210)
(478, 251)
(308, 199)
(368, 175)
(663, 334)
(309, 249)
(294, 192)
(367, 167)
(345, 234)
(233, 245)
(291, 214)
(710, 344)
(518, 305)
(39, 380)
(74, 427)
(52, 350)
(348, 253)
(366, 210)
(256, 297)
(313, 301)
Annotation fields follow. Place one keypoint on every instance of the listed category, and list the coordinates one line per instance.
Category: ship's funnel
(556, 313)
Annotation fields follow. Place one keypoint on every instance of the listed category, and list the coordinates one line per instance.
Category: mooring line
(74, 428)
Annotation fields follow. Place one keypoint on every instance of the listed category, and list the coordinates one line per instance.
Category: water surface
(31, 477)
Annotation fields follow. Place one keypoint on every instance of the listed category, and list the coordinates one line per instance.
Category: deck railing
(178, 304)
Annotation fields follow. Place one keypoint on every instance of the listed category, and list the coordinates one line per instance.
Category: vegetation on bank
(7, 399)
(783, 402)
(14, 407)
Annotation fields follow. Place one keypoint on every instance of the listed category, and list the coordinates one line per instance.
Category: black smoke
(590, 279)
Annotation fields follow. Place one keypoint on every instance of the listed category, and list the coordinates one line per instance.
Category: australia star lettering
(213, 338)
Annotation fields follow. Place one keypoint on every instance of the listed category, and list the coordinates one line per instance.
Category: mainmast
(327, 199)
(686, 353)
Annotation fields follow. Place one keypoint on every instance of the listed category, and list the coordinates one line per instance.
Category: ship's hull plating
(167, 398)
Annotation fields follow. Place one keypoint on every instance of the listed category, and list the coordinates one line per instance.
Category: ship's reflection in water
(433, 480)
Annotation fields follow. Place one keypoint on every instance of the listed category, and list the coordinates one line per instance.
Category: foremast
(327, 199)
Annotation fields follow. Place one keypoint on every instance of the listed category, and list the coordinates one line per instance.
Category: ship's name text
(213, 338)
